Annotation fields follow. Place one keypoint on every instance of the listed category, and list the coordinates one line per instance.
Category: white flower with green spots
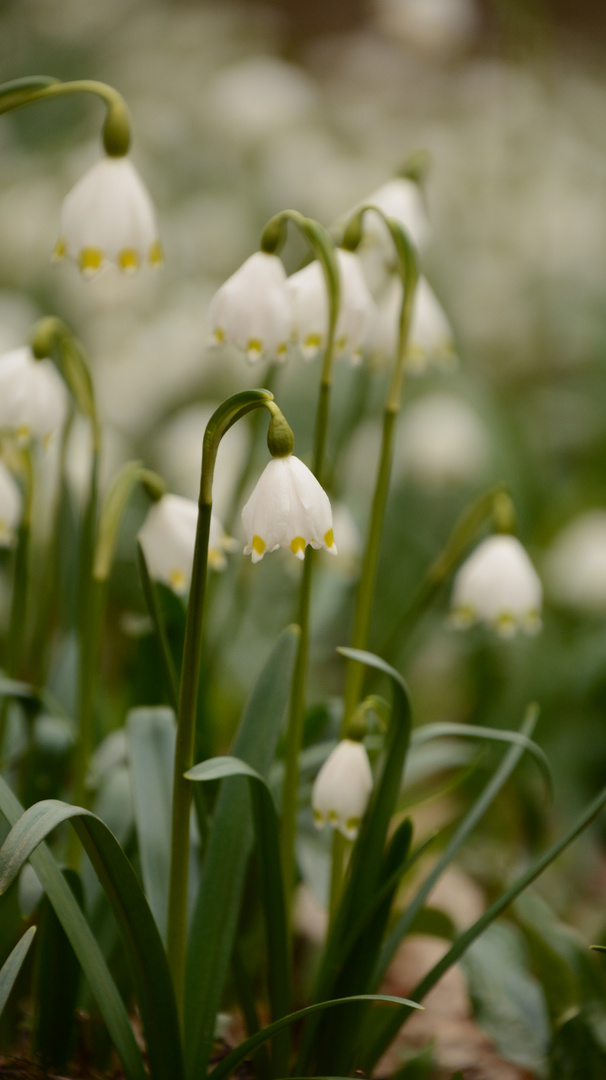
(342, 789)
(288, 508)
(108, 217)
(499, 586)
(252, 310)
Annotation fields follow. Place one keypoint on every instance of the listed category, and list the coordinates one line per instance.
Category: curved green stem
(409, 272)
(220, 422)
(116, 129)
(324, 250)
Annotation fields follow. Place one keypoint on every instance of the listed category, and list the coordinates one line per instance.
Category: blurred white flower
(439, 27)
(310, 306)
(430, 340)
(258, 97)
(499, 586)
(253, 309)
(108, 216)
(288, 508)
(342, 788)
(575, 567)
(401, 199)
(33, 396)
(442, 441)
(11, 505)
(168, 537)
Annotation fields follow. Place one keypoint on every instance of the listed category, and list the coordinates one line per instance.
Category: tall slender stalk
(366, 586)
(323, 248)
(226, 415)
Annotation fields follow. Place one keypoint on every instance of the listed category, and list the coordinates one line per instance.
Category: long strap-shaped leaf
(218, 906)
(436, 731)
(149, 967)
(272, 887)
(388, 1032)
(84, 945)
(231, 1062)
(365, 874)
(464, 829)
(12, 965)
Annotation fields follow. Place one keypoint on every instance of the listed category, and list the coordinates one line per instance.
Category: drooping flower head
(168, 537)
(33, 396)
(108, 216)
(11, 505)
(310, 304)
(499, 586)
(430, 341)
(288, 508)
(342, 788)
(252, 310)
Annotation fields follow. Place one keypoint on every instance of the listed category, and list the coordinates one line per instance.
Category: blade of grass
(151, 742)
(142, 943)
(267, 833)
(387, 1034)
(84, 945)
(215, 917)
(12, 965)
(466, 826)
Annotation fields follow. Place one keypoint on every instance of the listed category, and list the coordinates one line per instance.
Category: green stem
(324, 251)
(116, 129)
(226, 415)
(18, 614)
(366, 585)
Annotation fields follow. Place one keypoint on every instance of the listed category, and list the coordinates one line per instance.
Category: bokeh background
(240, 110)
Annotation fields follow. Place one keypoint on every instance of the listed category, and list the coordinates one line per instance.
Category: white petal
(498, 585)
(253, 309)
(33, 396)
(342, 788)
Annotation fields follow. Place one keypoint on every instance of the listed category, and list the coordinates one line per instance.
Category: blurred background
(241, 110)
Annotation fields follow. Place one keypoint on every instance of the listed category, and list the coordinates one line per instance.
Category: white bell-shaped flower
(430, 340)
(342, 788)
(253, 310)
(11, 505)
(168, 538)
(33, 396)
(288, 508)
(499, 586)
(310, 304)
(575, 566)
(108, 216)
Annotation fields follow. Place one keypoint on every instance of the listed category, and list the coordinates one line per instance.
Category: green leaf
(151, 737)
(508, 1000)
(54, 1018)
(12, 965)
(142, 943)
(466, 826)
(436, 731)
(217, 909)
(272, 885)
(383, 1038)
(232, 1060)
(367, 874)
(84, 945)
